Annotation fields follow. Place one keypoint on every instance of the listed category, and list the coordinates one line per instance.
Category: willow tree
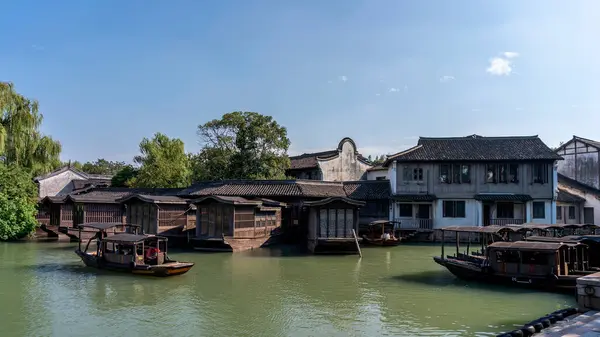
(21, 142)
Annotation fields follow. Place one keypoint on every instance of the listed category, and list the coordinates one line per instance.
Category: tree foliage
(103, 166)
(163, 163)
(241, 145)
(17, 203)
(21, 142)
(126, 177)
(378, 160)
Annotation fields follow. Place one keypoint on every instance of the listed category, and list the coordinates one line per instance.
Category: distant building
(473, 181)
(579, 174)
(66, 180)
(341, 164)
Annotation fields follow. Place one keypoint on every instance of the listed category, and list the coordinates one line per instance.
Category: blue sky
(108, 73)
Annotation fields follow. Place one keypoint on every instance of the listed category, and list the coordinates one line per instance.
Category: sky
(108, 73)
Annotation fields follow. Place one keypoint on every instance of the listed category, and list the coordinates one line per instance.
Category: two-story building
(579, 174)
(473, 181)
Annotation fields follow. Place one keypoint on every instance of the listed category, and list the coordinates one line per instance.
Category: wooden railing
(504, 222)
(415, 223)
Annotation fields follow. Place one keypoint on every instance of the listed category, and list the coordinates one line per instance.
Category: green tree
(163, 163)
(242, 145)
(21, 142)
(378, 159)
(17, 203)
(103, 166)
(125, 177)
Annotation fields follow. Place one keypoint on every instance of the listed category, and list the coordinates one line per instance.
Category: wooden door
(588, 215)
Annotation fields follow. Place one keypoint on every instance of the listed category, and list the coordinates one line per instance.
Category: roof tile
(477, 148)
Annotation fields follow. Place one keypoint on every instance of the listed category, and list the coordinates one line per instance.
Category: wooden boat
(548, 265)
(135, 253)
(376, 233)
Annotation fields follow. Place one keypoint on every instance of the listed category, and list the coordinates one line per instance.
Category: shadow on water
(281, 250)
(441, 278)
(73, 269)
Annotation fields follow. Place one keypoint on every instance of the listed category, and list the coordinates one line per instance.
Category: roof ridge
(475, 136)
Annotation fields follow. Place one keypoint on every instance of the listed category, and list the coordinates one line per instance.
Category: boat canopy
(383, 222)
(531, 245)
(131, 238)
(104, 225)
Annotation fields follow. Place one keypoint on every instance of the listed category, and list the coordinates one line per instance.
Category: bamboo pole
(356, 241)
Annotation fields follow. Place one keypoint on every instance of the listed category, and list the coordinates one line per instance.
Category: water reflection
(396, 291)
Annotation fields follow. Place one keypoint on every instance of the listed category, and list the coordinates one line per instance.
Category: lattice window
(172, 215)
(103, 213)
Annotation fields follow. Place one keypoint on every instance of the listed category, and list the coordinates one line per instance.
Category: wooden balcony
(415, 223)
(504, 222)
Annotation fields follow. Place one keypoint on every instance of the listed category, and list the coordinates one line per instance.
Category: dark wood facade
(164, 215)
(235, 223)
(332, 225)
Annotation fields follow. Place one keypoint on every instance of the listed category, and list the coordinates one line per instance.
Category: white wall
(590, 201)
(373, 175)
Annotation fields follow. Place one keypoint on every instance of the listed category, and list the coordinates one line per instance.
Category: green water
(46, 291)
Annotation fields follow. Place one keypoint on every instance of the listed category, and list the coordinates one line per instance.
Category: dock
(578, 325)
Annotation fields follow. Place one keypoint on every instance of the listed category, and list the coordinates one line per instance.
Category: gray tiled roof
(359, 190)
(477, 148)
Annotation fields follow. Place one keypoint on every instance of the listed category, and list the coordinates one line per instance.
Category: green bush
(17, 203)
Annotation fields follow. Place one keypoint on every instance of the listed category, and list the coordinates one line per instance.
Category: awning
(502, 197)
(414, 197)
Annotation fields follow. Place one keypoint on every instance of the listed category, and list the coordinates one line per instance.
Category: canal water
(46, 291)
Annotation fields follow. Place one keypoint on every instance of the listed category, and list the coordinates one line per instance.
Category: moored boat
(381, 233)
(135, 253)
(548, 265)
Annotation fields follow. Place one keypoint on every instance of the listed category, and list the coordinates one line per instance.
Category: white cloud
(519, 109)
(343, 78)
(405, 88)
(475, 110)
(502, 66)
(446, 78)
(378, 94)
(394, 90)
(499, 67)
(330, 81)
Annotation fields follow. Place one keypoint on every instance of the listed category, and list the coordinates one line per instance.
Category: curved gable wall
(345, 166)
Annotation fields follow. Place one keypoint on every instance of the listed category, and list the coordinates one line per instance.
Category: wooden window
(540, 173)
(406, 210)
(465, 174)
(490, 174)
(503, 173)
(456, 173)
(406, 174)
(539, 210)
(349, 222)
(454, 209)
(505, 210)
(323, 223)
(571, 212)
(445, 177)
(417, 174)
(513, 173)
(559, 212)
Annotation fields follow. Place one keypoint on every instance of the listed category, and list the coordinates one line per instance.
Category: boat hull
(163, 270)
(471, 272)
(381, 243)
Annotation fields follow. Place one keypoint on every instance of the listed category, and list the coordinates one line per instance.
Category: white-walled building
(473, 181)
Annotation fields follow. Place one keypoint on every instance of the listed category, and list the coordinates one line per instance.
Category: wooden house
(166, 215)
(333, 225)
(233, 223)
